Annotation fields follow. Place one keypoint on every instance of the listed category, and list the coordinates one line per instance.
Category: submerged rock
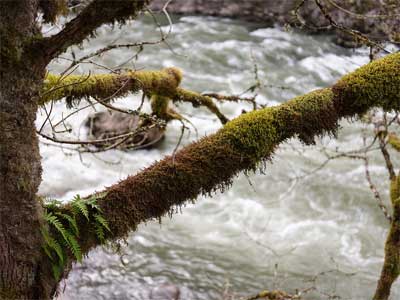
(110, 124)
(165, 292)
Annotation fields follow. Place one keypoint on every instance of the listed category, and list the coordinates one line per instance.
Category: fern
(68, 237)
(100, 233)
(100, 224)
(66, 229)
(92, 201)
(57, 271)
(103, 222)
(79, 206)
(71, 221)
(52, 203)
(74, 247)
(52, 244)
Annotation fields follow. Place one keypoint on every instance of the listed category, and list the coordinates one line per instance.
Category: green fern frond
(79, 206)
(100, 232)
(52, 203)
(53, 220)
(103, 222)
(74, 247)
(47, 250)
(52, 244)
(65, 229)
(57, 271)
(71, 221)
(92, 201)
(68, 237)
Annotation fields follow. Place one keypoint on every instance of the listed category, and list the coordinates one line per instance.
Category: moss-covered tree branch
(164, 84)
(210, 164)
(97, 13)
(199, 100)
(110, 86)
(391, 266)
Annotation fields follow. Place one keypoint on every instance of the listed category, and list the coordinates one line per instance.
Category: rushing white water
(272, 233)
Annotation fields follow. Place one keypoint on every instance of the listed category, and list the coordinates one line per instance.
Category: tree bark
(25, 269)
(20, 170)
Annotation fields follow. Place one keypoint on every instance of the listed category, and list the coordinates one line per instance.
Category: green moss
(258, 133)
(10, 51)
(395, 191)
(199, 100)
(375, 84)
(110, 86)
(162, 82)
(391, 265)
(159, 107)
(394, 141)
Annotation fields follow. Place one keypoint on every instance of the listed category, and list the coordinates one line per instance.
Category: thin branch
(94, 15)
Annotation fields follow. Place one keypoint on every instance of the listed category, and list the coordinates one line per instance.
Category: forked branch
(95, 14)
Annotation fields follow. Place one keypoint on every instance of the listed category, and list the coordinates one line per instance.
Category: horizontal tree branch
(97, 13)
(198, 99)
(110, 86)
(209, 164)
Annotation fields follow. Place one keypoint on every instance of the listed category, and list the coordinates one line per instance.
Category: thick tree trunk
(25, 271)
(20, 169)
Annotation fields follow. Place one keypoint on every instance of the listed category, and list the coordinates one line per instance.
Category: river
(268, 230)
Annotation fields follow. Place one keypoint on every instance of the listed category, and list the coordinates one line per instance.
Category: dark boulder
(110, 124)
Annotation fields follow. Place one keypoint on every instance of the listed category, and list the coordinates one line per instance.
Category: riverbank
(379, 20)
